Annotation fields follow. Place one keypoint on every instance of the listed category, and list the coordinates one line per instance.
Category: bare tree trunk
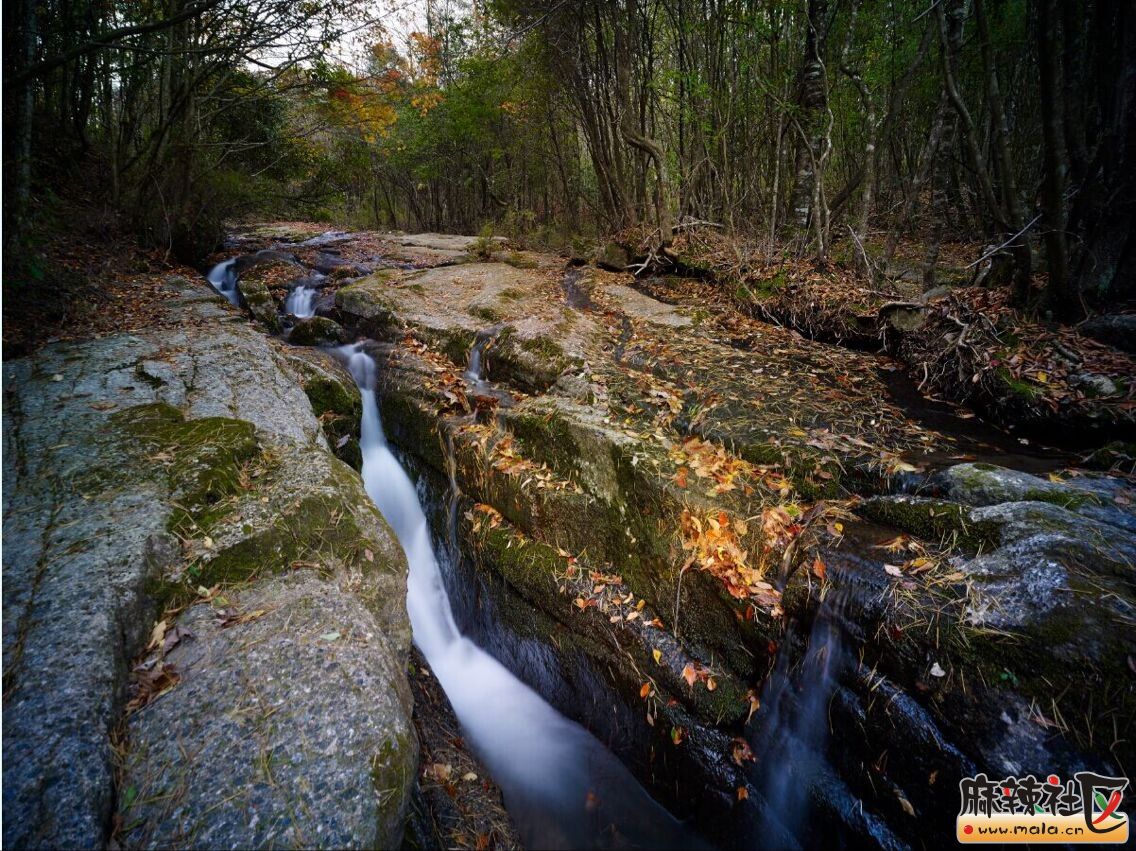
(923, 171)
(637, 140)
(1059, 296)
(812, 99)
(1023, 257)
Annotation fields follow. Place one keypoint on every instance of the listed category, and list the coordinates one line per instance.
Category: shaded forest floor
(960, 342)
(962, 345)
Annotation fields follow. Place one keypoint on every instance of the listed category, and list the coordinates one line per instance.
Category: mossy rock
(335, 400)
(317, 331)
(932, 519)
(613, 257)
(206, 459)
(260, 303)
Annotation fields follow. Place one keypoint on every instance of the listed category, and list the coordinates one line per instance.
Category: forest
(568, 423)
(827, 130)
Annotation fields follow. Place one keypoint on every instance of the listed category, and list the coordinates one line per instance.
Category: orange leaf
(819, 569)
(689, 675)
(645, 690)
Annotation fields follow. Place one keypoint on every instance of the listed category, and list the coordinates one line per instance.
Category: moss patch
(206, 460)
(932, 519)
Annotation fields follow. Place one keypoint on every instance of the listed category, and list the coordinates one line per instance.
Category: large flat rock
(137, 467)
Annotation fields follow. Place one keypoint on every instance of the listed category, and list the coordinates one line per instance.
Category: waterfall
(223, 277)
(561, 786)
(301, 302)
(794, 731)
(475, 369)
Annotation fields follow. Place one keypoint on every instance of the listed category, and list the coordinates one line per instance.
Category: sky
(399, 18)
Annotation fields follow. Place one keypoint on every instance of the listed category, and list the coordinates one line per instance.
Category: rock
(283, 730)
(1117, 329)
(640, 306)
(448, 306)
(1044, 553)
(613, 257)
(334, 397)
(440, 241)
(260, 303)
(1094, 385)
(904, 317)
(159, 461)
(268, 256)
(1107, 500)
(317, 331)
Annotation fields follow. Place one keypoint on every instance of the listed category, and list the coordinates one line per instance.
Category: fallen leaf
(645, 690)
(689, 674)
(368, 555)
(893, 570)
(937, 671)
(657, 655)
(442, 771)
(157, 634)
(330, 636)
(743, 793)
(819, 569)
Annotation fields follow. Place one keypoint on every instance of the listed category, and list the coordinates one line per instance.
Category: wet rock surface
(793, 603)
(602, 485)
(150, 470)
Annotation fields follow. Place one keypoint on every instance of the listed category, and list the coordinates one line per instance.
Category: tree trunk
(812, 99)
(1059, 297)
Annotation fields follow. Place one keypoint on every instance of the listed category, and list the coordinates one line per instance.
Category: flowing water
(562, 787)
(794, 729)
(223, 278)
(301, 302)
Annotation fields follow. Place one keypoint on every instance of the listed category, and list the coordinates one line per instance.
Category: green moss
(205, 459)
(320, 529)
(1064, 500)
(455, 344)
(487, 313)
(392, 775)
(317, 331)
(519, 261)
(1018, 386)
(932, 519)
(544, 347)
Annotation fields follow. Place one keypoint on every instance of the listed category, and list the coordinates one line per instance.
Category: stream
(562, 788)
(816, 750)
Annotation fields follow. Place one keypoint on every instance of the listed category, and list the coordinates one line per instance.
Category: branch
(109, 38)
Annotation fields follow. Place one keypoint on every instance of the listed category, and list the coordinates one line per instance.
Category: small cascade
(475, 369)
(326, 238)
(794, 733)
(223, 278)
(562, 787)
(301, 302)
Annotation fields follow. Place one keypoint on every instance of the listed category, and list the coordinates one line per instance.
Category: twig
(1005, 244)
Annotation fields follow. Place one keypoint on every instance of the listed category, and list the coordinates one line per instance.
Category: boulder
(185, 467)
(1105, 499)
(1118, 329)
(260, 303)
(613, 257)
(317, 331)
(334, 397)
